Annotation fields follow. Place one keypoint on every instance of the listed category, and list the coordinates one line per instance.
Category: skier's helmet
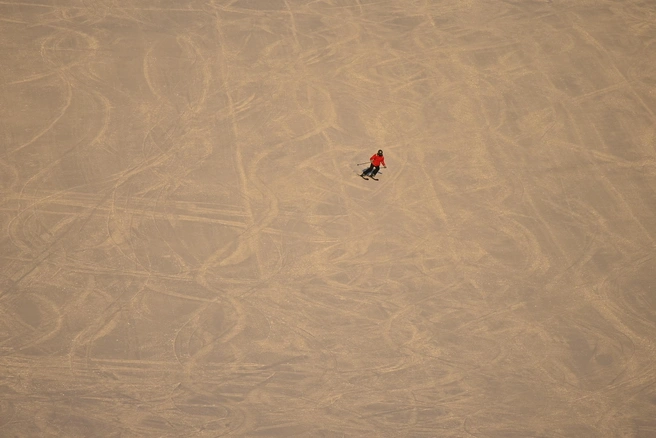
(380, 152)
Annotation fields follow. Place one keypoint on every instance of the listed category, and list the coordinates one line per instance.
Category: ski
(375, 179)
(364, 177)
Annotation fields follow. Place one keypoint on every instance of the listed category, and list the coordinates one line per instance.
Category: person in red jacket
(376, 160)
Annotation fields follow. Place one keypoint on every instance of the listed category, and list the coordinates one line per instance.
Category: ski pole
(361, 164)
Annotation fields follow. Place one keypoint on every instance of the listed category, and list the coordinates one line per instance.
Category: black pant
(372, 171)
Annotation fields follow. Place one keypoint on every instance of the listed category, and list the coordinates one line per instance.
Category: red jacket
(377, 160)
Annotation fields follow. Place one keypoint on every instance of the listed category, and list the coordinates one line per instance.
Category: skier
(376, 160)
